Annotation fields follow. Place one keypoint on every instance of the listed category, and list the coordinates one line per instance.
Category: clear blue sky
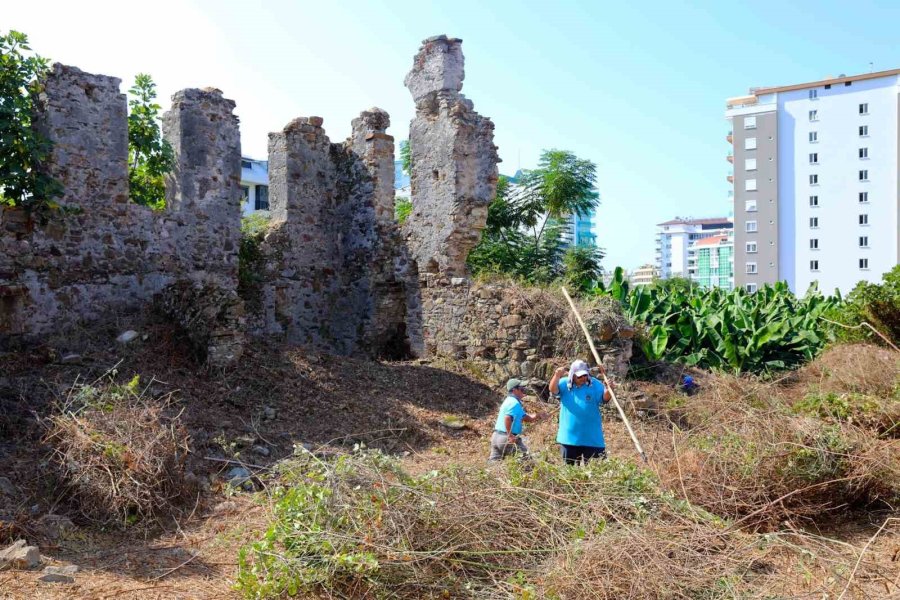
(638, 88)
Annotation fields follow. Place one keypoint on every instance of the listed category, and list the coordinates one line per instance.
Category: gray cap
(513, 384)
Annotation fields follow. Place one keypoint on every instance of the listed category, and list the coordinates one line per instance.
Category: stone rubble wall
(512, 331)
(113, 255)
(333, 265)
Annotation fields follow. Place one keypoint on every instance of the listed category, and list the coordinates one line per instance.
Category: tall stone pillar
(203, 192)
(454, 161)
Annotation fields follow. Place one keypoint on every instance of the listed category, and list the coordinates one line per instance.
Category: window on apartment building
(245, 193)
(864, 264)
(863, 131)
(750, 185)
(864, 108)
(750, 143)
(813, 180)
(863, 175)
(813, 115)
(750, 226)
(813, 94)
(813, 265)
(814, 244)
(750, 287)
(863, 219)
(863, 241)
(848, 83)
(751, 268)
(262, 197)
(813, 201)
(864, 153)
(749, 122)
(246, 164)
(814, 158)
(814, 222)
(750, 205)
(749, 164)
(863, 197)
(813, 137)
(751, 247)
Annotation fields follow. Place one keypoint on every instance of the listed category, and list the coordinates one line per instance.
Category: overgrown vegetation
(733, 330)
(22, 149)
(522, 234)
(250, 258)
(150, 157)
(121, 453)
(360, 527)
(873, 303)
(402, 209)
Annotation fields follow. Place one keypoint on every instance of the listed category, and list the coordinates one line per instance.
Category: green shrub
(876, 304)
(250, 256)
(402, 209)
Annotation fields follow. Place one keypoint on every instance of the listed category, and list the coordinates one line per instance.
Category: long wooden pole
(612, 392)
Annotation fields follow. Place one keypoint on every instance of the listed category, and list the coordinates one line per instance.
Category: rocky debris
(71, 359)
(56, 526)
(240, 477)
(7, 488)
(261, 450)
(53, 574)
(126, 337)
(269, 413)
(20, 556)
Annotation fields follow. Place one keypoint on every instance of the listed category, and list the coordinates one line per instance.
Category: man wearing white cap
(507, 436)
(580, 433)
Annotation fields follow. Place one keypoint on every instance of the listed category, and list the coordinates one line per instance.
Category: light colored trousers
(501, 448)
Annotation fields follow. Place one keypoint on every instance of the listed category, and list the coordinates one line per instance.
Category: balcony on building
(729, 138)
(730, 158)
(730, 178)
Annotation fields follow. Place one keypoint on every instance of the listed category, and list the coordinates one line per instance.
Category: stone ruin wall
(113, 254)
(333, 274)
(336, 271)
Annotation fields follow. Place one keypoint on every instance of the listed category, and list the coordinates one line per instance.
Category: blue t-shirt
(512, 407)
(580, 423)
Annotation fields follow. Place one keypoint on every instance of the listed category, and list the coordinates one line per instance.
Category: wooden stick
(612, 392)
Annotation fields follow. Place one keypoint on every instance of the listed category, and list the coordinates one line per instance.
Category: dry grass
(767, 451)
(121, 453)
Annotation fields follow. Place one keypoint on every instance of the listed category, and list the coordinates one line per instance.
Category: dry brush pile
(121, 453)
(824, 438)
(360, 527)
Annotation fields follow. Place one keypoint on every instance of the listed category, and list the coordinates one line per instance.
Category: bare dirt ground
(280, 397)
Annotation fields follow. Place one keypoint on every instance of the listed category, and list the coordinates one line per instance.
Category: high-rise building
(676, 238)
(816, 191)
(710, 261)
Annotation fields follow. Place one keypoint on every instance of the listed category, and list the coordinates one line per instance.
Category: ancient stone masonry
(511, 331)
(114, 255)
(454, 161)
(333, 267)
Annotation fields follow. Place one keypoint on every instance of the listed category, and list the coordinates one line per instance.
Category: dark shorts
(573, 454)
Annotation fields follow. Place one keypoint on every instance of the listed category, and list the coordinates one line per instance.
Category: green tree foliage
(873, 303)
(727, 330)
(22, 149)
(581, 268)
(250, 256)
(402, 209)
(405, 157)
(149, 156)
(522, 234)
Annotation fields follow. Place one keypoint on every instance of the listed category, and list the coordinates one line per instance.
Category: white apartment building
(675, 240)
(816, 193)
(254, 185)
(644, 275)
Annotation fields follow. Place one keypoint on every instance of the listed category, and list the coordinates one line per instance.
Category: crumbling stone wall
(454, 161)
(333, 268)
(511, 331)
(114, 255)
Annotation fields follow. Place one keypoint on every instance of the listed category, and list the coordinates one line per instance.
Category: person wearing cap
(507, 436)
(580, 433)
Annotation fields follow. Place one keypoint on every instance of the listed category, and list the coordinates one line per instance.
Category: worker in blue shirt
(507, 436)
(580, 433)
